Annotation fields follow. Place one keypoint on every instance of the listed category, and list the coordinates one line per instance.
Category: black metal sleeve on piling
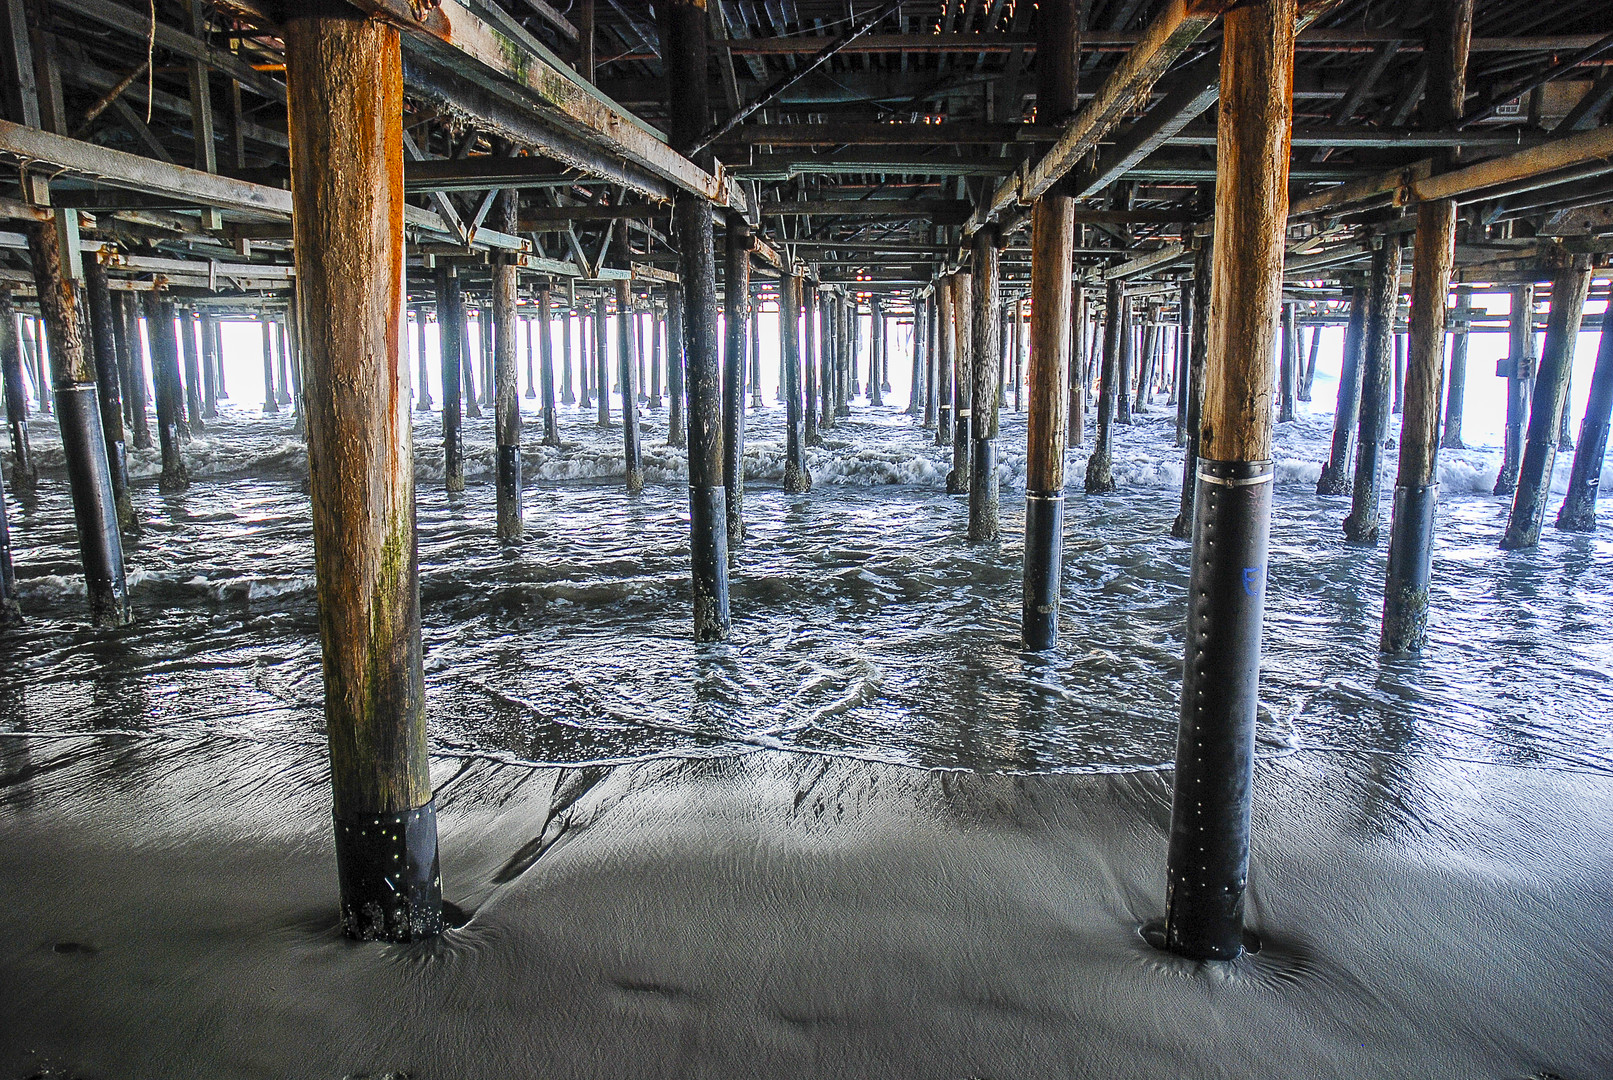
(1208, 864)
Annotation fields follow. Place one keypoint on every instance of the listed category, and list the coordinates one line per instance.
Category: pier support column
(450, 317)
(797, 479)
(1126, 362)
(677, 394)
(585, 352)
(210, 379)
(1519, 369)
(193, 369)
(551, 418)
(1456, 385)
(657, 352)
(627, 374)
(946, 344)
(1578, 512)
(1286, 370)
(683, 43)
(344, 78)
(1208, 866)
(962, 381)
(469, 398)
(78, 413)
(506, 376)
(1336, 478)
(1196, 308)
(271, 397)
(568, 396)
(601, 362)
(1081, 347)
(422, 390)
(736, 323)
(1377, 378)
(1184, 350)
(811, 349)
(24, 472)
(1411, 524)
(1100, 466)
(170, 395)
(531, 361)
(103, 339)
(136, 402)
(986, 348)
(1569, 289)
(878, 386)
(1052, 253)
(916, 392)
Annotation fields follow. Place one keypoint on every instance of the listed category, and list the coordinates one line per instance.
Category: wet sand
(168, 909)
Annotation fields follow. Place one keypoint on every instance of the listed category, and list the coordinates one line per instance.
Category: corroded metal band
(387, 865)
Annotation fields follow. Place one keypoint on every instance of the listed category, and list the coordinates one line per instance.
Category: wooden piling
(1100, 466)
(531, 361)
(24, 470)
(962, 381)
(206, 327)
(601, 361)
(1337, 477)
(657, 355)
(1184, 352)
(422, 390)
(450, 346)
(986, 350)
(103, 342)
(506, 377)
(1308, 380)
(1411, 529)
(1208, 865)
(1456, 386)
(1081, 349)
(470, 399)
(170, 394)
(918, 389)
(1125, 360)
(344, 77)
(684, 45)
(1287, 373)
(1052, 252)
(136, 400)
(797, 409)
(676, 427)
(193, 369)
(78, 415)
(877, 386)
(1578, 512)
(271, 398)
(551, 416)
(585, 354)
(828, 360)
(736, 323)
(1377, 377)
(568, 396)
(1569, 288)
(626, 372)
(812, 349)
(1198, 346)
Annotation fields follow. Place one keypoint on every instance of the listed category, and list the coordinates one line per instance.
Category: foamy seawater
(864, 624)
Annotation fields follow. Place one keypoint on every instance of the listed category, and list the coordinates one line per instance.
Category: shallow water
(864, 625)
